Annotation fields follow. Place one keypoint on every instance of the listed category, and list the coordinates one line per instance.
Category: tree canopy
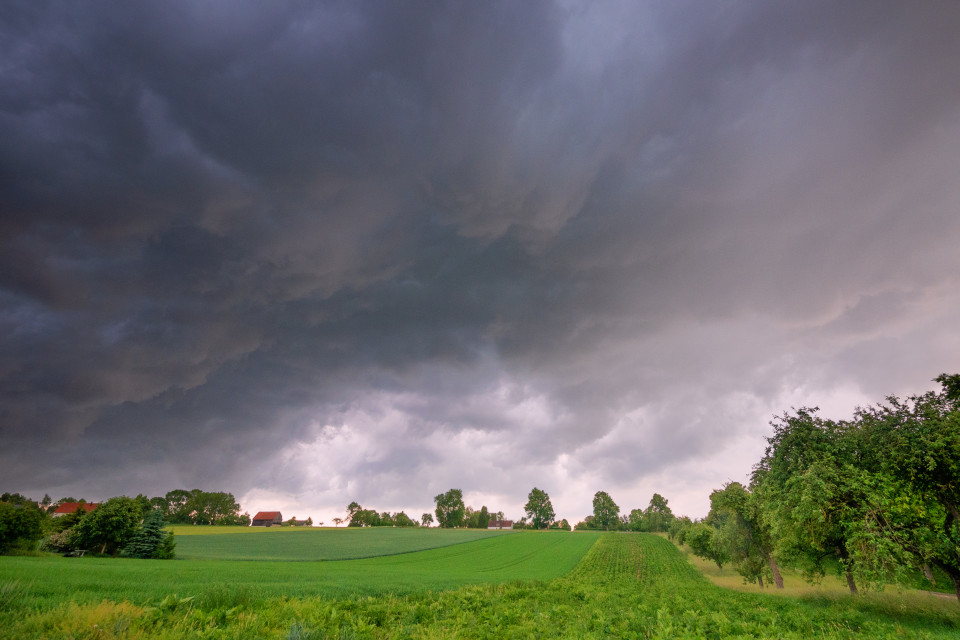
(450, 509)
(605, 511)
(539, 509)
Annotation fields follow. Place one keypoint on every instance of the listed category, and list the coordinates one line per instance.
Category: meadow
(524, 584)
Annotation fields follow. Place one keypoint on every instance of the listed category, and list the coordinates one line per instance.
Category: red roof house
(500, 524)
(266, 519)
(67, 508)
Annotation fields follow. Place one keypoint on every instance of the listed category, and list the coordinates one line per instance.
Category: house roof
(500, 523)
(70, 507)
(267, 515)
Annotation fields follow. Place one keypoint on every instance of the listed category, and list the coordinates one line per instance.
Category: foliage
(605, 511)
(199, 507)
(109, 527)
(450, 510)
(658, 515)
(151, 541)
(880, 494)
(426, 520)
(360, 517)
(20, 524)
(704, 541)
(744, 537)
(539, 509)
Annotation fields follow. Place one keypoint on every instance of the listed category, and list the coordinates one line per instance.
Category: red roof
(267, 515)
(70, 507)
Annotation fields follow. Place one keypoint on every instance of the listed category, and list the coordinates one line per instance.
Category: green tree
(605, 511)
(539, 509)
(657, 516)
(810, 492)
(151, 541)
(483, 518)
(426, 520)
(702, 540)
(746, 540)
(109, 527)
(21, 525)
(912, 473)
(450, 510)
(635, 520)
(401, 519)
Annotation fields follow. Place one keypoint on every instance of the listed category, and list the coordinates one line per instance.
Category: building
(267, 519)
(500, 524)
(66, 508)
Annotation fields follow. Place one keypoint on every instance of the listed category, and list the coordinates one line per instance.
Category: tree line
(132, 527)
(876, 497)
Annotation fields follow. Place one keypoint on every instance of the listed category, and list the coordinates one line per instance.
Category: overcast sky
(311, 253)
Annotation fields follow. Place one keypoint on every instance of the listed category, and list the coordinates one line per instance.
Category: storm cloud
(316, 253)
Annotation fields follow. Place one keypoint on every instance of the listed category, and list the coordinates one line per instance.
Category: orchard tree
(811, 490)
(450, 509)
(702, 540)
(605, 511)
(539, 509)
(745, 539)
(914, 474)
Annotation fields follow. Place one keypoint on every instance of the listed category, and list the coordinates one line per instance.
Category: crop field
(526, 584)
(299, 544)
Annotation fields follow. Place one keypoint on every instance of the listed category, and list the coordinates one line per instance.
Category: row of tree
(877, 496)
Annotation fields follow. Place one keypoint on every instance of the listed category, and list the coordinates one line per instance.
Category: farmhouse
(500, 524)
(267, 519)
(67, 508)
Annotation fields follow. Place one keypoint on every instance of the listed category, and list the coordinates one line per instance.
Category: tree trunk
(777, 578)
(760, 581)
(850, 582)
(928, 573)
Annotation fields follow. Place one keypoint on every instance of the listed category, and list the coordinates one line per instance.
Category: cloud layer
(369, 251)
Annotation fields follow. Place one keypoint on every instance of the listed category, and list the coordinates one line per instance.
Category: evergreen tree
(151, 541)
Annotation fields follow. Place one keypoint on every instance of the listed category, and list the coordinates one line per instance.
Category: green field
(304, 544)
(526, 584)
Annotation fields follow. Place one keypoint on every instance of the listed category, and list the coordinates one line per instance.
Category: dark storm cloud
(381, 238)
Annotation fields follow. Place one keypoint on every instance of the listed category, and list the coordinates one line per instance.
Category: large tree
(605, 511)
(539, 509)
(745, 539)
(20, 525)
(450, 509)
(658, 516)
(912, 472)
(810, 492)
(109, 527)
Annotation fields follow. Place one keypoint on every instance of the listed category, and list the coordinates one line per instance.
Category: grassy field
(44, 583)
(624, 586)
(305, 544)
